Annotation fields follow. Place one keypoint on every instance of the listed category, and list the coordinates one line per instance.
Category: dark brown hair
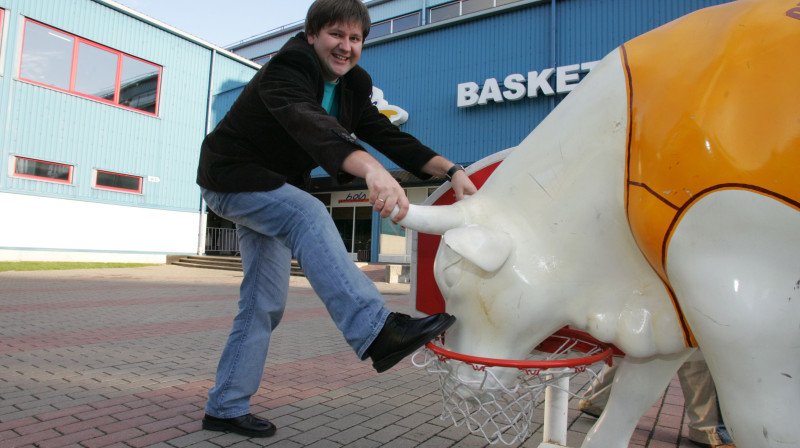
(327, 12)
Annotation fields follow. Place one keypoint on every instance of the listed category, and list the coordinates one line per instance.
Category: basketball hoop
(499, 403)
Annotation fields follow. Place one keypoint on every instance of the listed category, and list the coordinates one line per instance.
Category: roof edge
(175, 31)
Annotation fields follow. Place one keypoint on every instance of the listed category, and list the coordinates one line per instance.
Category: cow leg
(637, 385)
(733, 263)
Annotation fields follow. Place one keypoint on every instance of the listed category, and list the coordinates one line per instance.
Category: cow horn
(432, 219)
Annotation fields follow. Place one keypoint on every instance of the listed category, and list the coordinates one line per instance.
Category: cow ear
(486, 248)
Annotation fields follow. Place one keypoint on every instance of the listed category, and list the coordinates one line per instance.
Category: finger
(459, 190)
(398, 213)
(387, 207)
(379, 204)
(374, 194)
(463, 190)
(402, 207)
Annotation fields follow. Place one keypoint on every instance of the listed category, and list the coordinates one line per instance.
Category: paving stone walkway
(124, 358)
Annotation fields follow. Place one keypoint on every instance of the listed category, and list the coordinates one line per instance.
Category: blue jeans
(273, 226)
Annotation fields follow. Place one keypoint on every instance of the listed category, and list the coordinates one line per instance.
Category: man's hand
(385, 193)
(462, 185)
(384, 190)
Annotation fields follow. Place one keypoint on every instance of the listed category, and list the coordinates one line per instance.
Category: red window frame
(77, 40)
(44, 178)
(2, 26)
(125, 190)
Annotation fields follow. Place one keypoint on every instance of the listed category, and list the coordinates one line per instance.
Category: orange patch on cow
(714, 104)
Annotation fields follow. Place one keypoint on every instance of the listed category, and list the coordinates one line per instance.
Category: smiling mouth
(341, 58)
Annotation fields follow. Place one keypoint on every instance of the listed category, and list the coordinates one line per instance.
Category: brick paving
(124, 358)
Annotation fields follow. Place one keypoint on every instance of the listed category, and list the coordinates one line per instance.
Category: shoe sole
(224, 427)
(391, 360)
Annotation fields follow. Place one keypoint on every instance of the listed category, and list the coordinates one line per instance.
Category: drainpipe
(553, 37)
(376, 237)
(202, 222)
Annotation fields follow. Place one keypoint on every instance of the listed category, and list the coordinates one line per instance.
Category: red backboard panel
(429, 299)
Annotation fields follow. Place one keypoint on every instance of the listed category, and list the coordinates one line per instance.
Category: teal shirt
(330, 98)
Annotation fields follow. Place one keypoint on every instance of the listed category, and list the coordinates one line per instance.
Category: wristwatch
(452, 171)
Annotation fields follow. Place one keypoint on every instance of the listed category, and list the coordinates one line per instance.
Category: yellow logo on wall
(395, 114)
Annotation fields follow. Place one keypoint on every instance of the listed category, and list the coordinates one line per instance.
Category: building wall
(110, 232)
(43, 123)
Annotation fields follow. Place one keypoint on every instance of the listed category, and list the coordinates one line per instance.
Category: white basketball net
(499, 403)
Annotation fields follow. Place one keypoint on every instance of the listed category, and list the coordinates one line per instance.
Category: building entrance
(355, 227)
(221, 238)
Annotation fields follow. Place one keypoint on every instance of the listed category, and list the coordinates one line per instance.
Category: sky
(222, 22)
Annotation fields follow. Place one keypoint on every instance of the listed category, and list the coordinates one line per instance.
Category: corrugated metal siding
(606, 24)
(230, 77)
(420, 73)
(60, 127)
(222, 103)
(8, 42)
(432, 3)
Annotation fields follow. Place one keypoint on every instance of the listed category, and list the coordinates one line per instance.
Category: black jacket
(277, 130)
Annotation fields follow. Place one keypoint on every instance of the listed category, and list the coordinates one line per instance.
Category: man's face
(338, 46)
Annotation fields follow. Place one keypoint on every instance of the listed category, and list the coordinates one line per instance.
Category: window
(462, 7)
(107, 180)
(469, 6)
(405, 22)
(394, 25)
(41, 170)
(380, 29)
(69, 63)
(445, 12)
(96, 74)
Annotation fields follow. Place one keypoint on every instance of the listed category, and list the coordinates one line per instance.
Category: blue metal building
(475, 77)
(102, 112)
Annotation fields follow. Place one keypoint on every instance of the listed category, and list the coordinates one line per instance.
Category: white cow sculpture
(657, 208)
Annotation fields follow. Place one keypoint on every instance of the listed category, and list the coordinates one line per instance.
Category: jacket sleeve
(289, 90)
(400, 147)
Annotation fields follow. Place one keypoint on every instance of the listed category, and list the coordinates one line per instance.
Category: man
(299, 112)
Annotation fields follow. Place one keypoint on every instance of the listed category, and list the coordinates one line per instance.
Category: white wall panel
(42, 223)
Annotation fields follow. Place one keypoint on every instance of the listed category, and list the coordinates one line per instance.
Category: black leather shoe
(246, 425)
(401, 336)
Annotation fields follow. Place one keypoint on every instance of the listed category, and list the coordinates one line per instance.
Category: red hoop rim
(585, 343)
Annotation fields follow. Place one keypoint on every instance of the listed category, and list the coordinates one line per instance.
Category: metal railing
(221, 241)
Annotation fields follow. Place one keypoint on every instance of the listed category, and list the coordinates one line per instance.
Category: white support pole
(556, 406)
